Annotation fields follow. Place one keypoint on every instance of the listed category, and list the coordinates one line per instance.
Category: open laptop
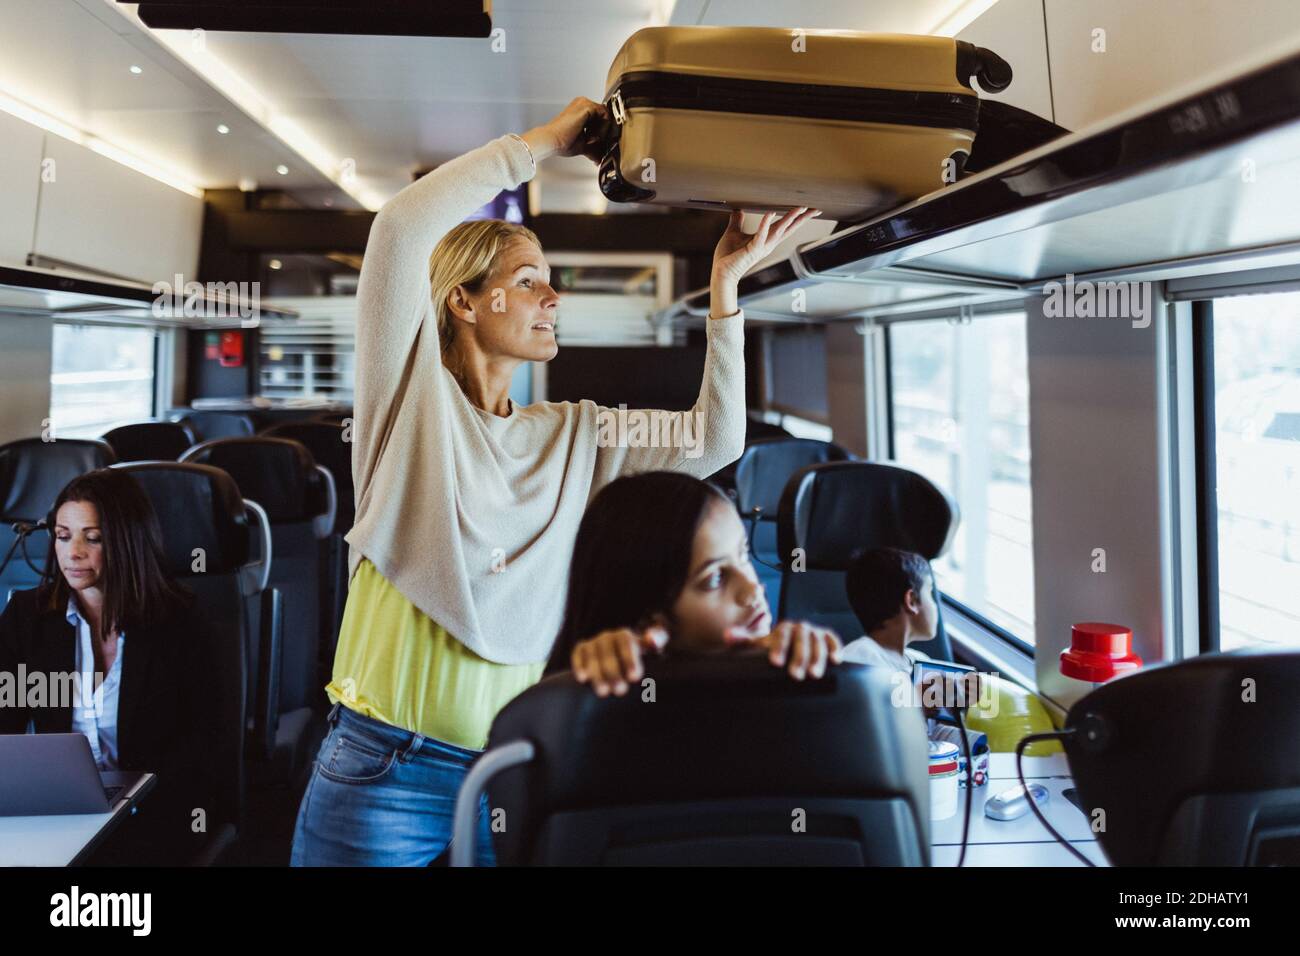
(43, 774)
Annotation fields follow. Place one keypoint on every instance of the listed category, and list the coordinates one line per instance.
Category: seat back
(208, 425)
(329, 448)
(734, 763)
(831, 510)
(32, 473)
(150, 441)
(200, 508)
(328, 442)
(1212, 743)
(755, 429)
(299, 501)
(761, 475)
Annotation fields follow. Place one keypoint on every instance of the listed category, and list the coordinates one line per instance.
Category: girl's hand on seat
(612, 659)
(807, 647)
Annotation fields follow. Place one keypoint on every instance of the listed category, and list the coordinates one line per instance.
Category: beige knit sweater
(472, 516)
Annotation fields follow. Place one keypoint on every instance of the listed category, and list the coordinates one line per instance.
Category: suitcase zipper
(654, 88)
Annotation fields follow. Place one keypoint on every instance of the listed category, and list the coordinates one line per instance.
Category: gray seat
(1219, 780)
(199, 507)
(149, 441)
(299, 500)
(829, 511)
(716, 772)
(208, 425)
(326, 440)
(761, 474)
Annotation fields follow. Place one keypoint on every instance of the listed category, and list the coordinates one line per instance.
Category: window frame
(161, 376)
(1207, 475)
(972, 618)
(1202, 294)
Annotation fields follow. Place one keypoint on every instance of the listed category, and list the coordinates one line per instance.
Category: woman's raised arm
(712, 434)
(393, 290)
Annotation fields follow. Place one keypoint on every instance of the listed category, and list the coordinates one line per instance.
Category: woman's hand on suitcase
(562, 136)
(737, 252)
(612, 659)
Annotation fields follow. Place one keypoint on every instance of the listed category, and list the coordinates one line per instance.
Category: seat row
(268, 522)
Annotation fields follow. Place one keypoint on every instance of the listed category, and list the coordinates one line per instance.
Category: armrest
(485, 768)
(255, 575)
(266, 717)
(323, 524)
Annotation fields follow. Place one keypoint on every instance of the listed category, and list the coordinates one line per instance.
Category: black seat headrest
(323, 439)
(278, 473)
(767, 464)
(724, 727)
(1212, 740)
(149, 441)
(198, 507)
(831, 510)
(33, 472)
(210, 424)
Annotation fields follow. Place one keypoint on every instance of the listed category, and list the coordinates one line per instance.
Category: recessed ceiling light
(136, 70)
(223, 129)
(275, 263)
(282, 169)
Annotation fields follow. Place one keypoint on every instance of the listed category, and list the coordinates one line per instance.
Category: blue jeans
(382, 796)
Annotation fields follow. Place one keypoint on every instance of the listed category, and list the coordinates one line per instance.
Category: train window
(100, 376)
(960, 415)
(1256, 390)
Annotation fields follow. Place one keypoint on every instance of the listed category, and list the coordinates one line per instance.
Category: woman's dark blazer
(168, 721)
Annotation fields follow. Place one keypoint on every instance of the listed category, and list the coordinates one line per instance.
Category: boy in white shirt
(892, 594)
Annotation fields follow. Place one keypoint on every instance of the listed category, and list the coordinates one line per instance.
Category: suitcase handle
(601, 134)
(993, 72)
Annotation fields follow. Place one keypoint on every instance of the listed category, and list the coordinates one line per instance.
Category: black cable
(753, 528)
(970, 782)
(27, 557)
(22, 530)
(9, 555)
(1020, 773)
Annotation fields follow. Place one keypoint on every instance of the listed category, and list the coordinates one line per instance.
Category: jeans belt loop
(332, 718)
(412, 748)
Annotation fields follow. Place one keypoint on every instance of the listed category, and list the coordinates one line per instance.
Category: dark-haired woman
(662, 560)
(107, 609)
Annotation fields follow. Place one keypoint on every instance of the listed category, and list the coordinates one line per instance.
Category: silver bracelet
(531, 158)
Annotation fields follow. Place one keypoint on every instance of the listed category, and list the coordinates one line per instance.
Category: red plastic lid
(1099, 652)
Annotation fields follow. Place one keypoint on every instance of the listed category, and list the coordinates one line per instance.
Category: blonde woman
(467, 504)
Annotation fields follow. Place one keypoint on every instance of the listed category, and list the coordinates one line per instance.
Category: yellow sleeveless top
(395, 664)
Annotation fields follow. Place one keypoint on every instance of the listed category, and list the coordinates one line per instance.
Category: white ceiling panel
(392, 104)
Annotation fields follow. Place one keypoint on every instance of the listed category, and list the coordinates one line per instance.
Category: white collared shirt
(96, 716)
(866, 650)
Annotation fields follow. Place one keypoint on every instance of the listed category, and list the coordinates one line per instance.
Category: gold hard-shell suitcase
(765, 118)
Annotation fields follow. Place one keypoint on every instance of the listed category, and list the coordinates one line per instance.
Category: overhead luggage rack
(50, 292)
(1201, 181)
